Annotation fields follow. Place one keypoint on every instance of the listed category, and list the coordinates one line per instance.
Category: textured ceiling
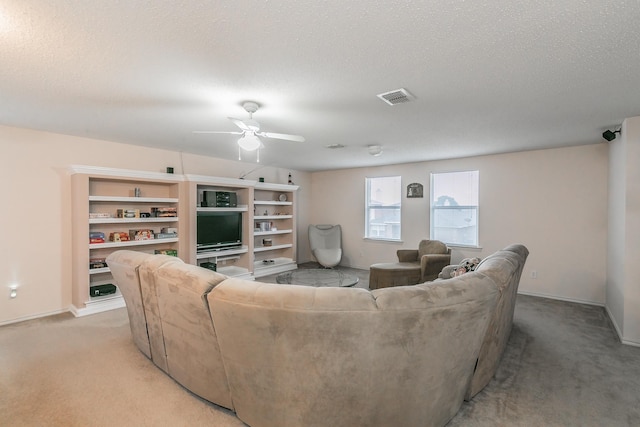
(488, 76)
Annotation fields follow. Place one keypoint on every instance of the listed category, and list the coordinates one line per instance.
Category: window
(384, 197)
(454, 207)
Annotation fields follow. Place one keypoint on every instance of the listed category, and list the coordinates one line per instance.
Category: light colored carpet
(563, 367)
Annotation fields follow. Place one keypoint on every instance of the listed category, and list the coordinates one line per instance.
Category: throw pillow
(467, 264)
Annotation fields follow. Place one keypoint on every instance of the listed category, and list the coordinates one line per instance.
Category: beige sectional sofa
(288, 355)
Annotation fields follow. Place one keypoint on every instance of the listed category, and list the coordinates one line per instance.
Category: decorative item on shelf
(282, 197)
(170, 252)
(290, 179)
(128, 213)
(94, 215)
(100, 290)
(141, 235)
(264, 226)
(97, 263)
(145, 214)
(268, 261)
(169, 169)
(266, 213)
(164, 212)
(267, 242)
(96, 237)
(119, 236)
(137, 192)
(166, 235)
(209, 265)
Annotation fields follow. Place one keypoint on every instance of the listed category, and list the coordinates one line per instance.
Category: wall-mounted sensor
(610, 135)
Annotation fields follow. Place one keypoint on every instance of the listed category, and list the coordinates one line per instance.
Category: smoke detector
(375, 150)
(398, 96)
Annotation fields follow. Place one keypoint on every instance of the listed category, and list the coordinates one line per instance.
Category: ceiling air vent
(397, 96)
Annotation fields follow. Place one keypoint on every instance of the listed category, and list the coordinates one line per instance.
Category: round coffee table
(317, 277)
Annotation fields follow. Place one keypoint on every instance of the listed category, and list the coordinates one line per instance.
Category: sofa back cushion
(190, 341)
(124, 267)
(150, 300)
(298, 355)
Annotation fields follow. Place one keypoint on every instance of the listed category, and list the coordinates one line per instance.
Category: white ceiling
(488, 76)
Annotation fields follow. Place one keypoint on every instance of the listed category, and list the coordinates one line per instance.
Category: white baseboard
(579, 301)
(95, 307)
(619, 331)
(33, 316)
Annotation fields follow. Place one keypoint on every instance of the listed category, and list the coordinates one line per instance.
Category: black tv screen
(219, 230)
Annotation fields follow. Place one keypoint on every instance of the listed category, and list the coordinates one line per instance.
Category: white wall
(552, 201)
(623, 291)
(35, 194)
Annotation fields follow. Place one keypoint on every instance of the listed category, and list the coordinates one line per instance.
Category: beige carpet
(563, 367)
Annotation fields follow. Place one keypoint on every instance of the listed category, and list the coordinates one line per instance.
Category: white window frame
(475, 243)
(380, 232)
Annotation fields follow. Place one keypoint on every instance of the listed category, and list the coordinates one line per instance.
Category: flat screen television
(218, 230)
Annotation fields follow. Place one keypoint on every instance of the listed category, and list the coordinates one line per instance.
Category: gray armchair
(431, 255)
(414, 266)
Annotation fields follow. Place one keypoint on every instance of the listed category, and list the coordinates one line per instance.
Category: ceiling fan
(250, 131)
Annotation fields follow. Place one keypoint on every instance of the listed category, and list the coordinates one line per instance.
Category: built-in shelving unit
(274, 233)
(102, 192)
(268, 219)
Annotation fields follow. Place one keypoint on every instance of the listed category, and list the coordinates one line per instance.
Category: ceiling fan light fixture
(375, 150)
(249, 141)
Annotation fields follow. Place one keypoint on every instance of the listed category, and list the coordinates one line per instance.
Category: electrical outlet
(13, 291)
(534, 274)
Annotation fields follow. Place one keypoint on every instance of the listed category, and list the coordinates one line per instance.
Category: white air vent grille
(397, 96)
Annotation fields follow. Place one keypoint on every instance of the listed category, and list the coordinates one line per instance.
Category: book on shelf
(171, 252)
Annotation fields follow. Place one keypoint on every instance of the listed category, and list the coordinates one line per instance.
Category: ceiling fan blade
(240, 124)
(296, 138)
(213, 131)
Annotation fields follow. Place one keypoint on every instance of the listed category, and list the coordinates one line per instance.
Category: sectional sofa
(289, 355)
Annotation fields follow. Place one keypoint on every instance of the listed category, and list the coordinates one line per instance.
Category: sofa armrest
(407, 255)
(431, 265)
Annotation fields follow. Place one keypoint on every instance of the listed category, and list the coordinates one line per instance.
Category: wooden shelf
(132, 243)
(272, 248)
(132, 199)
(260, 217)
(271, 233)
(278, 265)
(132, 220)
(272, 203)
